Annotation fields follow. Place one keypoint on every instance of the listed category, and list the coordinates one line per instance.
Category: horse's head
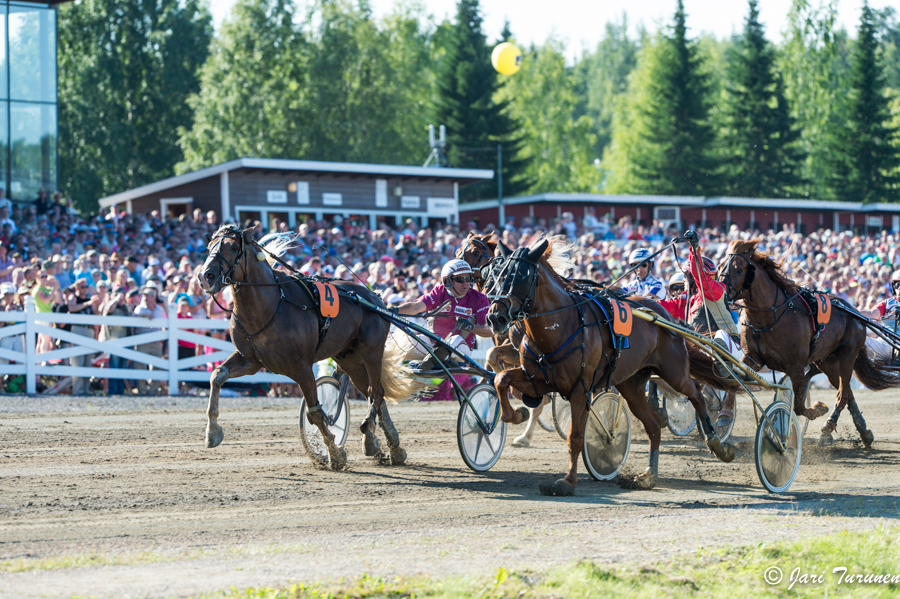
(478, 251)
(227, 247)
(738, 271)
(514, 282)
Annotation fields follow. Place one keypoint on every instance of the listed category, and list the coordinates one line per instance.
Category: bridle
(226, 269)
(483, 254)
(726, 278)
(512, 278)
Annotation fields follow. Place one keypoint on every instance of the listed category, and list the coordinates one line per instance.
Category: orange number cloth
(621, 317)
(328, 300)
(824, 308)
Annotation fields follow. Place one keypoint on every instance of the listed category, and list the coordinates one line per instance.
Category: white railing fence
(170, 369)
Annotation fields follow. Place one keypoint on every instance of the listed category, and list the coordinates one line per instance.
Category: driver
(644, 282)
(887, 312)
(457, 325)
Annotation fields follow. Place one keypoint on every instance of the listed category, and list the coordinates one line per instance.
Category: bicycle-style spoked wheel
(681, 413)
(562, 415)
(788, 398)
(480, 449)
(714, 402)
(336, 409)
(778, 447)
(607, 436)
(546, 417)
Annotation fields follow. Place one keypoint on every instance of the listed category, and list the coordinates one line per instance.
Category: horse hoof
(826, 438)
(524, 414)
(338, 459)
(818, 410)
(215, 437)
(398, 456)
(371, 446)
(521, 441)
(723, 451)
(867, 438)
(559, 488)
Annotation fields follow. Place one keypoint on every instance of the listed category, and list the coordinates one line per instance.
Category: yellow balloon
(506, 58)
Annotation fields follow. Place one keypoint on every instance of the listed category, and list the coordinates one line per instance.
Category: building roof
(301, 166)
(694, 201)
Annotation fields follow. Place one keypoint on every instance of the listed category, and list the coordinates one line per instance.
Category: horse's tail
(871, 375)
(396, 378)
(703, 370)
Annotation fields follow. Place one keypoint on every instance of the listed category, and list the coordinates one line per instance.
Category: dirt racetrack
(127, 487)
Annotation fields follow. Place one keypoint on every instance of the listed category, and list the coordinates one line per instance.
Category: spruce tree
(476, 123)
(664, 143)
(864, 152)
(762, 153)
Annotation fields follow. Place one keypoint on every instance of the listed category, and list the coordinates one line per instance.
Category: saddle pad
(622, 318)
(823, 303)
(328, 299)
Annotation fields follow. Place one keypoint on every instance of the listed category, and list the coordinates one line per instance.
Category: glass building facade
(28, 105)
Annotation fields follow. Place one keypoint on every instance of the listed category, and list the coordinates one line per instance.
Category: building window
(33, 144)
(32, 54)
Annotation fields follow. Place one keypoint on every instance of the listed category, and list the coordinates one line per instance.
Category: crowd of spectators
(143, 264)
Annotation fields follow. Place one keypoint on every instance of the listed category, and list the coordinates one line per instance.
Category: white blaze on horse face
(552, 327)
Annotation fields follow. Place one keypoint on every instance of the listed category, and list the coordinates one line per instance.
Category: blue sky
(580, 22)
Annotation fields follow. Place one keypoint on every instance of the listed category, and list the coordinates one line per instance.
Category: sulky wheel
(562, 415)
(788, 398)
(714, 402)
(776, 467)
(336, 409)
(480, 449)
(681, 413)
(607, 436)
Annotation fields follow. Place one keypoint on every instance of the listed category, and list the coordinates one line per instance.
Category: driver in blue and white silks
(643, 281)
(886, 312)
(459, 323)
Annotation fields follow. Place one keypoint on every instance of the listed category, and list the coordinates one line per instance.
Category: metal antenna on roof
(438, 147)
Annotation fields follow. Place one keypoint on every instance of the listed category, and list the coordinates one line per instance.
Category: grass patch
(728, 572)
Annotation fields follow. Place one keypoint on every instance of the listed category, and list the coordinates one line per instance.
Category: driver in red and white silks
(460, 322)
(887, 312)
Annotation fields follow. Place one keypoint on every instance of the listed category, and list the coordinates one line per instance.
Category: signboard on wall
(276, 196)
(441, 207)
(332, 199)
(410, 202)
(381, 193)
(303, 192)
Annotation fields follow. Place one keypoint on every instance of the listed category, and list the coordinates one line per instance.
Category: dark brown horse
(778, 331)
(568, 348)
(276, 325)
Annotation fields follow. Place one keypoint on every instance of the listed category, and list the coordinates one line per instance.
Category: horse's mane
(558, 257)
(764, 261)
(278, 244)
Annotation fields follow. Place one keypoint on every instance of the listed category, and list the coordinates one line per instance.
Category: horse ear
(208, 238)
(535, 253)
(504, 251)
(248, 233)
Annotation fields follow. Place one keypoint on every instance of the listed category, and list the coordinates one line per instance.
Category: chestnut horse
(777, 331)
(478, 251)
(569, 348)
(276, 325)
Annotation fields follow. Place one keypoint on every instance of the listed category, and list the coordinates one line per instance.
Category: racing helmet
(638, 255)
(895, 276)
(677, 279)
(455, 267)
(708, 265)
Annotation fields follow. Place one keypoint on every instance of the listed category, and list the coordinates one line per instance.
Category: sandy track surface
(131, 481)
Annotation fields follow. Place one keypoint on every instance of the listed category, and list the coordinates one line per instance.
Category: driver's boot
(441, 352)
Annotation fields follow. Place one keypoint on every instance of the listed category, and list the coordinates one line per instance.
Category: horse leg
(398, 454)
(831, 368)
(502, 382)
(632, 390)
(566, 486)
(799, 384)
(337, 457)
(359, 376)
(867, 436)
(236, 365)
(839, 370)
(524, 440)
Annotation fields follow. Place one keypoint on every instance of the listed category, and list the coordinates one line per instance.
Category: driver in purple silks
(460, 322)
